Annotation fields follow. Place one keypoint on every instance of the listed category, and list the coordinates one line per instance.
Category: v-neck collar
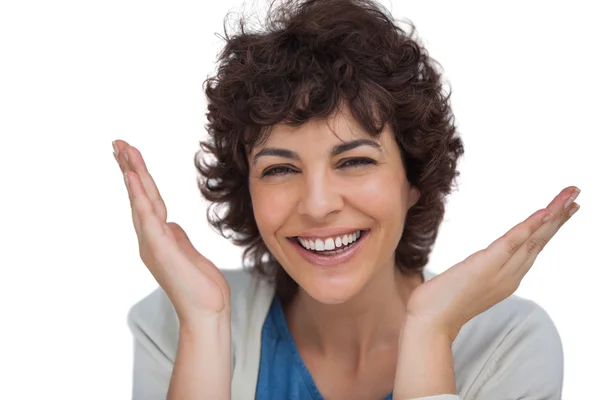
(283, 330)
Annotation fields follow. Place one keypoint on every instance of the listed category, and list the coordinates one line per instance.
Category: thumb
(203, 263)
(184, 243)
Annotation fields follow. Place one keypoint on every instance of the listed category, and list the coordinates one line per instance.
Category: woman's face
(330, 208)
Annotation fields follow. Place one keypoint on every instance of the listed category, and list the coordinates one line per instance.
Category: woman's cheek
(378, 192)
(272, 205)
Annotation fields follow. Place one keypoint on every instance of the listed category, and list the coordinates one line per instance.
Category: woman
(333, 148)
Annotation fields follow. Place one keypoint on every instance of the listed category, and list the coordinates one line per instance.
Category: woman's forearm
(203, 365)
(425, 366)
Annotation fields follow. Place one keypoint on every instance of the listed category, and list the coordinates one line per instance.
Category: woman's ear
(413, 196)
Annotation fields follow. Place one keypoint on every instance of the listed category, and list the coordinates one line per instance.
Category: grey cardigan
(512, 351)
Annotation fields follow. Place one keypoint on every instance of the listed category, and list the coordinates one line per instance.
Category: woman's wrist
(203, 365)
(425, 366)
(432, 327)
(218, 323)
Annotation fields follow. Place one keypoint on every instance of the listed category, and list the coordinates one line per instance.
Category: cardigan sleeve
(151, 376)
(154, 326)
(527, 365)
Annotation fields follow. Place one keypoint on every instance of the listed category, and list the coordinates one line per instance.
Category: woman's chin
(332, 292)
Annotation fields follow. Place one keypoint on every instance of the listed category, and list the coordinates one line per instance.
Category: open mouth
(327, 247)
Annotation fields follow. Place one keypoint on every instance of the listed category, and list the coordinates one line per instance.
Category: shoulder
(155, 325)
(513, 350)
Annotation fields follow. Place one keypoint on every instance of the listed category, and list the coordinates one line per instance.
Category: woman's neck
(369, 322)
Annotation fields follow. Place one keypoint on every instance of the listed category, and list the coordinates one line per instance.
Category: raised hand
(194, 285)
(489, 276)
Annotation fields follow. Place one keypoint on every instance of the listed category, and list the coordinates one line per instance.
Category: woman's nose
(320, 196)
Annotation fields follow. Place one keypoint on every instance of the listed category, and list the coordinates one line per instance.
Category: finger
(128, 178)
(539, 240)
(564, 199)
(148, 226)
(137, 164)
(120, 156)
(572, 210)
(506, 246)
(130, 159)
(503, 248)
(157, 243)
(118, 146)
(520, 262)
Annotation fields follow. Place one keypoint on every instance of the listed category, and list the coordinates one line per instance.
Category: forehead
(317, 132)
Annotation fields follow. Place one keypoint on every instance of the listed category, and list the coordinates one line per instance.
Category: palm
(455, 296)
(194, 285)
(489, 276)
(192, 282)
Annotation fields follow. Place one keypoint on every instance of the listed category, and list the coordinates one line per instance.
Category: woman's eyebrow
(276, 152)
(352, 144)
(339, 149)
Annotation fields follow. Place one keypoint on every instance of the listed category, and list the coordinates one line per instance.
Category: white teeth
(319, 245)
(328, 244)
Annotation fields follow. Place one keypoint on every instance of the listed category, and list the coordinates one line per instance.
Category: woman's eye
(281, 170)
(356, 162)
(277, 171)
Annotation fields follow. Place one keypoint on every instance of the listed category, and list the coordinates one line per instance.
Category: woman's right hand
(194, 285)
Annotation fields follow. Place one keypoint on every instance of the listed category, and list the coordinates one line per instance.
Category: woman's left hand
(451, 299)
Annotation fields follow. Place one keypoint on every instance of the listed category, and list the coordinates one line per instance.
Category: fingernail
(126, 155)
(115, 149)
(572, 198)
(126, 180)
(573, 210)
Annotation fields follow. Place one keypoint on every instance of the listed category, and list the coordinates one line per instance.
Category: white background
(74, 75)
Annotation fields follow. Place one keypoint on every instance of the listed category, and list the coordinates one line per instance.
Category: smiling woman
(319, 182)
(332, 148)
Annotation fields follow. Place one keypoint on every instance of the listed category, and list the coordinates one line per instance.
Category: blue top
(282, 373)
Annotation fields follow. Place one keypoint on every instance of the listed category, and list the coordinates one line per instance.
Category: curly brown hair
(310, 57)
